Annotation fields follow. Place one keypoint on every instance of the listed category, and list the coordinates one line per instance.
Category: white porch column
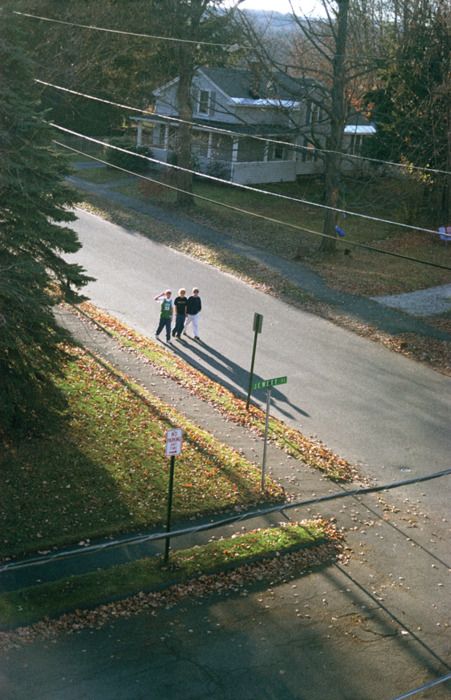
(234, 158)
(209, 146)
(235, 150)
(139, 134)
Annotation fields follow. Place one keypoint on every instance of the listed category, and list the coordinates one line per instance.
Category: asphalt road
(374, 407)
(371, 630)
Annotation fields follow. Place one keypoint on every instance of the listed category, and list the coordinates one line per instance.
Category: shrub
(126, 160)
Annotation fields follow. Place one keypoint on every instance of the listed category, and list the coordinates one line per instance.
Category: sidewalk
(362, 309)
(384, 613)
(298, 480)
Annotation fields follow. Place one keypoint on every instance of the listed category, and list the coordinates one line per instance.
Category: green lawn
(104, 471)
(88, 590)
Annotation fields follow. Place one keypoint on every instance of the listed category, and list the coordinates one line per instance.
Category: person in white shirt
(193, 309)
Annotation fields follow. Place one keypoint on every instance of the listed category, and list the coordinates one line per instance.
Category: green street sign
(266, 383)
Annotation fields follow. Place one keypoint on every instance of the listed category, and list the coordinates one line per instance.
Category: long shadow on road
(359, 308)
(233, 376)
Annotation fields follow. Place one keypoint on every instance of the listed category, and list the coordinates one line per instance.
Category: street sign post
(257, 328)
(267, 384)
(174, 439)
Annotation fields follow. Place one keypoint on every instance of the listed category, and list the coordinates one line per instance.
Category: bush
(217, 168)
(126, 160)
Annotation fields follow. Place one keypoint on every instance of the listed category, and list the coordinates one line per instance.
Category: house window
(250, 150)
(315, 114)
(200, 144)
(309, 154)
(356, 144)
(277, 151)
(173, 138)
(158, 135)
(206, 102)
(221, 147)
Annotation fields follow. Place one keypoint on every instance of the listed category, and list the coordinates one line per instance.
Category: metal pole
(265, 442)
(168, 519)
(251, 375)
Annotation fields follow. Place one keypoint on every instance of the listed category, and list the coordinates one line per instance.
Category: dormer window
(206, 102)
(315, 116)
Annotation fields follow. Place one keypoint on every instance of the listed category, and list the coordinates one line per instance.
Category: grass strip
(102, 587)
(310, 451)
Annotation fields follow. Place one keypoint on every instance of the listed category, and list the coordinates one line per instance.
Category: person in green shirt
(166, 313)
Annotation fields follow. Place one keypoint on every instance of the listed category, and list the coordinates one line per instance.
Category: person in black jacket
(180, 305)
(193, 311)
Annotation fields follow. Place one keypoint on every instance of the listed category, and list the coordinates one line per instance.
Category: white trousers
(194, 319)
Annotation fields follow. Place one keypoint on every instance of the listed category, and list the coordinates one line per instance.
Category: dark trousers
(164, 323)
(179, 323)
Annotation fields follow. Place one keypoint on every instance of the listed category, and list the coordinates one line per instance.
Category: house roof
(255, 84)
(358, 124)
(227, 127)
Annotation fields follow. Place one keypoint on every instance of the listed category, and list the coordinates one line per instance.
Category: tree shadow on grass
(244, 489)
(53, 494)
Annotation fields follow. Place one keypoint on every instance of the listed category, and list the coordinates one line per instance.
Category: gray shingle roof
(242, 83)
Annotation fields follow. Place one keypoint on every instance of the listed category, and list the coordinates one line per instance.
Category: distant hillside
(276, 30)
(276, 21)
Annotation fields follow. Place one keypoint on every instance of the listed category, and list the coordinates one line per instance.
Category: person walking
(193, 311)
(180, 304)
(166, 312)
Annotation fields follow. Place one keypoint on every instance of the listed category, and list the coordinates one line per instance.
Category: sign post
(173, 447)
(265, 441)
(257, 328)
(267, 384)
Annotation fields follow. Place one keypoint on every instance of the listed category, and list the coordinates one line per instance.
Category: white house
(244, 125)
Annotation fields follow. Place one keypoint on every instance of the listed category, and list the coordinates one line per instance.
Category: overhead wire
(230, 47)
(244, 187)
(178, 40)
(229, 132)
(139, 539)
(426, 686)
(248, 212)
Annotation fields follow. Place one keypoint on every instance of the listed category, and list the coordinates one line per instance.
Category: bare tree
(202, 26)
(327, 55)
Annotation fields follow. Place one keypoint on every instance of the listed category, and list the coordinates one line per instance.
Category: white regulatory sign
(174, 439)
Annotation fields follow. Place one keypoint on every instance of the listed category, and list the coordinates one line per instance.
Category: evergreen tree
(412, 105)
(34, 208)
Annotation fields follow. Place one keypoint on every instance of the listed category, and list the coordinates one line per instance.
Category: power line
(248, 188)
(426, 686)
(252, 213)
(139, 539)
(229, 47)
(229, 132)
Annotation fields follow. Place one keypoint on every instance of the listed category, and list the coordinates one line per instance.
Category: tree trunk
(337, 123)
(184, 180)
(446, 188)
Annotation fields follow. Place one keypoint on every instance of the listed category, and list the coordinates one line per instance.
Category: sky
(302, 7)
